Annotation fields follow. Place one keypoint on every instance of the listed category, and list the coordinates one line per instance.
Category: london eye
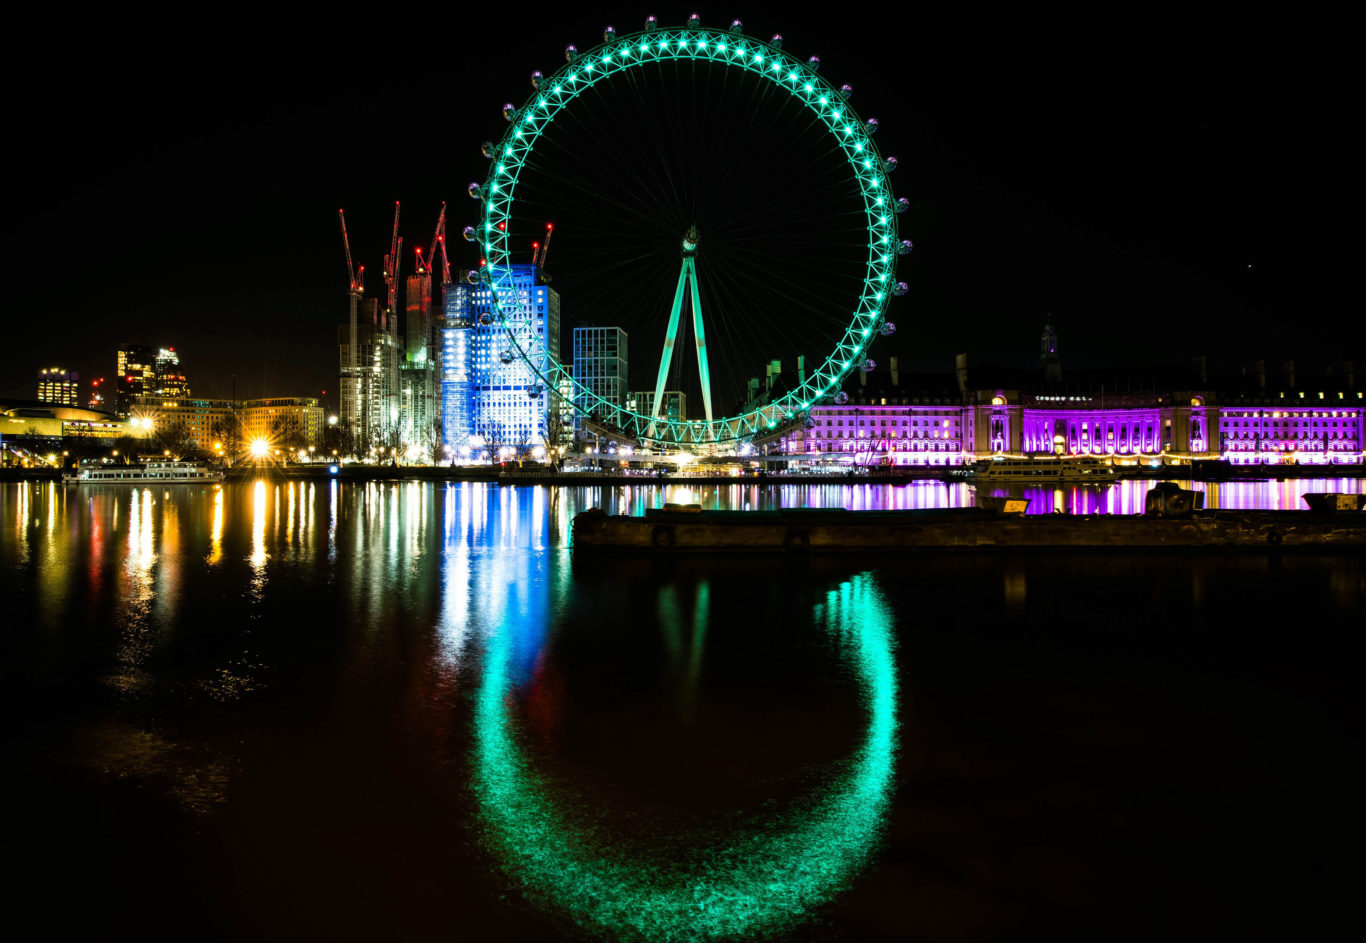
(716, 197)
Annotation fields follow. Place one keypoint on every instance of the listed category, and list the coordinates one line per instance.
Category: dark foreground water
(410, 712)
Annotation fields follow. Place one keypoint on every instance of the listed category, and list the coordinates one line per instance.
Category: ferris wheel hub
(690, 240)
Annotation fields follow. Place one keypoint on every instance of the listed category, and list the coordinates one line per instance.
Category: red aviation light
(502, 226)
(549, 227)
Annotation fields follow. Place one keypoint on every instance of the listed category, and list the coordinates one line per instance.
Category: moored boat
(1167, 526)
(159, 473)
(1083, 470)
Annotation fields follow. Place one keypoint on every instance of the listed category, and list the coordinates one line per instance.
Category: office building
(291, 424)
(495, 404)
(675, 406)
(168, 379)
(58, 386)
(600, 363)
(135, 376)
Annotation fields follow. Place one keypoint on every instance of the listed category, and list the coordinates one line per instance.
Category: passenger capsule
(809, 422)
(904, 248)
(900, 289)
(888, 328)
(814, 63)
(571, 52)
(487, 149)
(889, 165)
(472, 277)
(841, 398)
(846, 92)
(776, 41)
(902, 204)
(651, 22)
(534, 391)
(509, 111)
(609, 33)
(469, 234)
(870, 126)
(476, 191)
(869, 366)
(537, 78)
(694, 21)
(736, 26)
(567, 421)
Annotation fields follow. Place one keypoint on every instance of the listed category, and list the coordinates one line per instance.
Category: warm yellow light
(260, 448)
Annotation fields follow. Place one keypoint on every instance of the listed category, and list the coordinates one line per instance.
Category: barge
(797, 531)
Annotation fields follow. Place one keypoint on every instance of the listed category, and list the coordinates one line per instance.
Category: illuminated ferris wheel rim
(804, 83)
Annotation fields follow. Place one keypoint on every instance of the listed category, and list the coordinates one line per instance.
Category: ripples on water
(406, 710)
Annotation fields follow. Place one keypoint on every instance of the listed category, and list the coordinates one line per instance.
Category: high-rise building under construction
(369, 347)
(369, 351)
(419, 407)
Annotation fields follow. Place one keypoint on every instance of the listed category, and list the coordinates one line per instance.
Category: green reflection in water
(767, 877)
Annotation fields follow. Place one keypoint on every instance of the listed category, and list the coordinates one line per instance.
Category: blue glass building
(493, 404)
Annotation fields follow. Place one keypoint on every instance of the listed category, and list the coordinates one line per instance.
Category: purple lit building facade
(897, 423)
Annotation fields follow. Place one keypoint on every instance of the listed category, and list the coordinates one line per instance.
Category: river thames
(408, 711)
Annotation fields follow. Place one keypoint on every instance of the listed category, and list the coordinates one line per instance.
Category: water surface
(276, 710)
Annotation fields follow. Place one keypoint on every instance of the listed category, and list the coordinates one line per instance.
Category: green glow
(768, 875)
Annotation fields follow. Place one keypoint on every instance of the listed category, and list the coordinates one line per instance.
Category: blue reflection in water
(767, 875)
(494, 570)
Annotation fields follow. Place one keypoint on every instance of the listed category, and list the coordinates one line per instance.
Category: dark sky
(1163, 185)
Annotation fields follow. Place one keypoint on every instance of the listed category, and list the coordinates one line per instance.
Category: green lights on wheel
(615, 57)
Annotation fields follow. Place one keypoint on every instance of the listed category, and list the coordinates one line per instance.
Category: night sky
(1162, 186)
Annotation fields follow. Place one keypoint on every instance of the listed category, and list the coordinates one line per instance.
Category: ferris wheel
(721, 172)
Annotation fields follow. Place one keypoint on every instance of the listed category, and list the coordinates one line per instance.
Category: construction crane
(391, 265)
(540, 251)
(439, 241)
(357, 275)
